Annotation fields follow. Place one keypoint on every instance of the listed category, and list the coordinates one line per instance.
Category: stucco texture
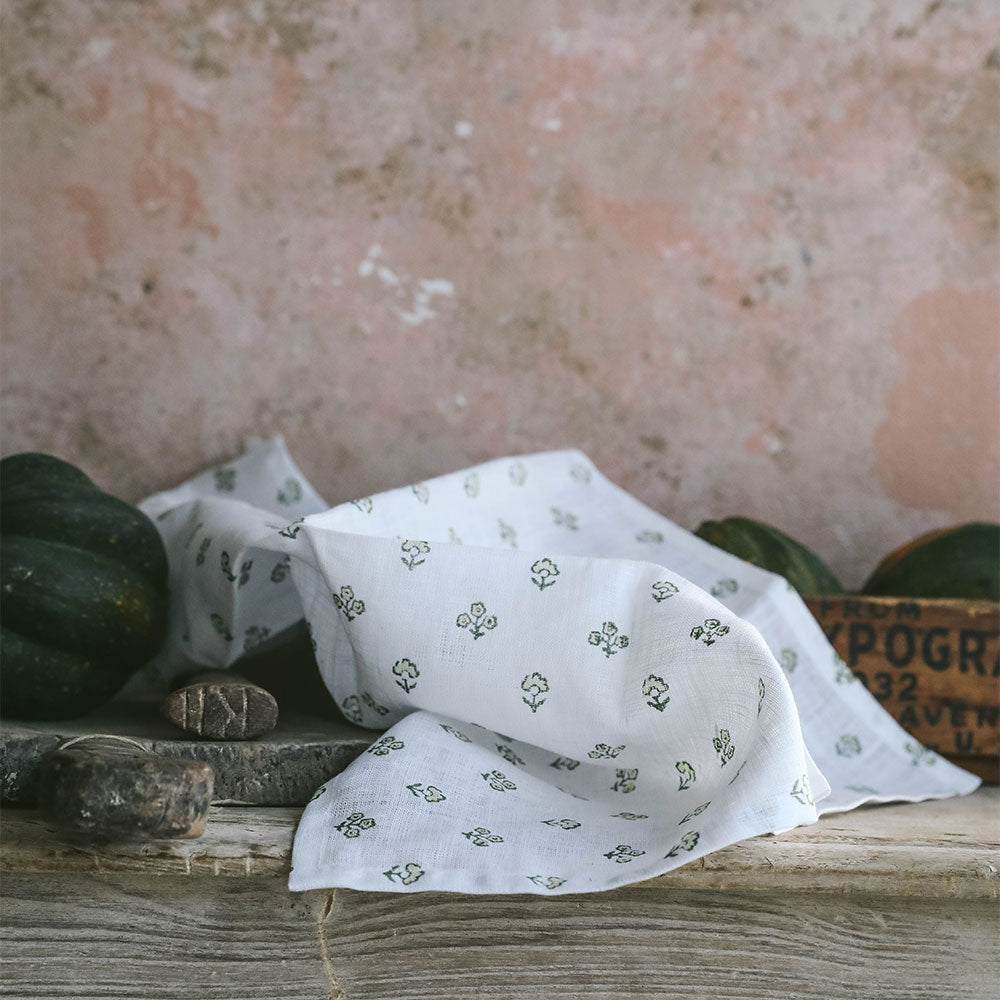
(742, 254)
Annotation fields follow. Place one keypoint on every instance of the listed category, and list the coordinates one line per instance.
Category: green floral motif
(373, 704)
(649, 537)
(624, 853)
(580, 472)
(609, 639)
(712, 629)
(723, 747)
(848, 745)
(428, 793)
(227, 569)
(628, 815)
(354, 824)
(761, 691)
(544, 572)
(346, 603)
(663, 590)
(842, 673)
(626, 779)
(864, 789)
(801, 791)
(507, 533)
(408, 876)
(688, 843)
(564, 824)
(686, 771)
(406, 674)
(722, 588)
(499, 781)
(421, 492)
(290, 492)
(551, 882)
(564, 763)
(789, 660)
(509, 755)
(351, 707)
(384, 746)
(453, 537)
(518, 473)
(695, 812)
(534, 685)
(655, 690)
(920, 754)
(476, 620)
(364, 504)
(220, 626)
(564, 519)
(604, 751)
(281, 570)
(225, 480)
(199, 559)
(482, 837)
(194, 530)
(739, 771)
(471, 484)
(254, 636)
(454, 732)
(413, 550)
(319, 791)
(292, 530)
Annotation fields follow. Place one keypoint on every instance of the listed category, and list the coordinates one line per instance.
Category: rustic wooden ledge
(894, 901)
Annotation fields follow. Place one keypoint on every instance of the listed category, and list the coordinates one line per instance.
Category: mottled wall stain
(742, 254)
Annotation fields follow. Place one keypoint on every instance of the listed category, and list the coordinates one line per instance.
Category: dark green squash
(958, 562)
(772, 550)
(83, 590)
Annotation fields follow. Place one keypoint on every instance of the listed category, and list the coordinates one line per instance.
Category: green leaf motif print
(454, 732)
(655, 690)
(428, 793)
(624, 853)
(471, 485)
(788, 660)
(848, 746)
(563, 824)
(564, 764)
(625, 779)
(602, 751)
(544, 573)
(412, 550)
(801, 791)
(534, 685)
(649, 537)
(609, 639)
(351, 707)
(518, 473)
(410, 874)
(384, 746)
(365, 504)
(919, 754)
(761, 691)
(688, 843)
(199, 558)
(663, 590)
(499, 781)
(507, 533)
(509, 755)
(842, 673)
(723, 747)
(254, 636)
(712, 629)
(564, 519)
(629, 815)
(482, 837)
(695, 812)
(421, 492)
(281, 569)
(354, 824)
(319, 791)
(406, 674)
(290, 492)
(225, 480)
(476, 620)
(724, 588)
(686, 771)
(373, 704)
(550, 882)
(292, 530)
(218, 623)
(347, 604)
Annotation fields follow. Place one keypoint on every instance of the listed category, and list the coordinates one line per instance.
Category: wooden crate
(933, 664)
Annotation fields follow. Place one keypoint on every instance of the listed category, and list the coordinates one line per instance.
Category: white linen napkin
(575, 692)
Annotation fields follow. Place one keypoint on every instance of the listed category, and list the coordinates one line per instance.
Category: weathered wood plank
(944, 848)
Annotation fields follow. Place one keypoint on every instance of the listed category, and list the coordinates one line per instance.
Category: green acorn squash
(772, 550)
(958, 562)
(83, 590)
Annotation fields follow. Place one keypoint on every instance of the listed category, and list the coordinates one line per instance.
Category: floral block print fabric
(568, 691)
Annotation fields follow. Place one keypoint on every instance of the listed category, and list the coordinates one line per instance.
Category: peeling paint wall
(742, 254)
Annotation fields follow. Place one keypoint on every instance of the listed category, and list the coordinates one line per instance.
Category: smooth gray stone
(283, 768)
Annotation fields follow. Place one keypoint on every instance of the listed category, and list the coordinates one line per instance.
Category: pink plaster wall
(743, 254)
